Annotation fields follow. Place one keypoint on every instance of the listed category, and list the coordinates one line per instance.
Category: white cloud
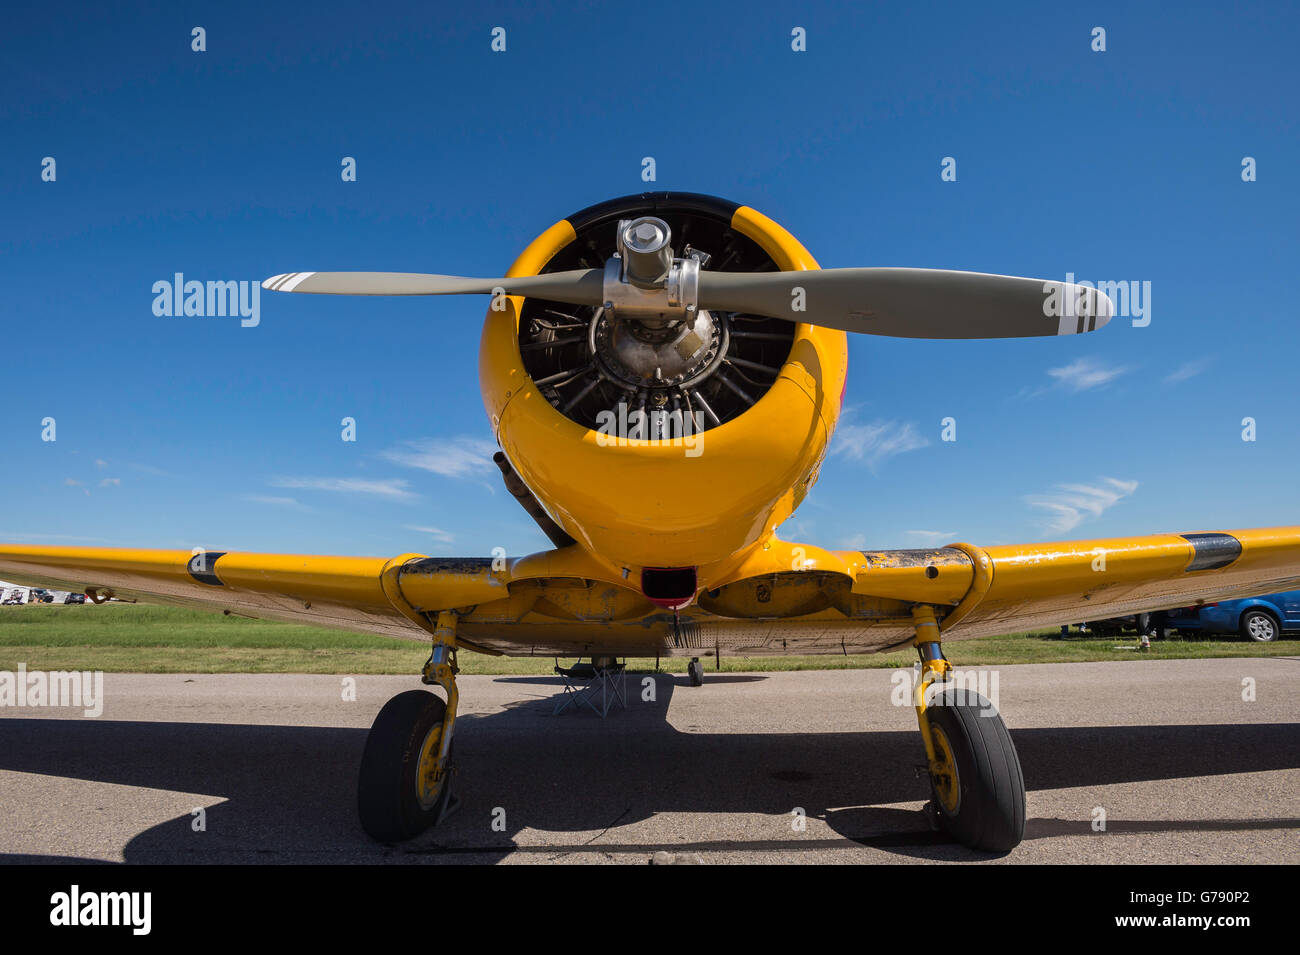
(73, 482)
(1069, 504)
(878, 441)
(60, 538)
(856, 542)
(931, 537)
(150, 469)
(101, 463)
(291, 502)
(456, 457)
(394, 489)
(441, 536)
(1188, 369)
(111, 482)
(1085, 374)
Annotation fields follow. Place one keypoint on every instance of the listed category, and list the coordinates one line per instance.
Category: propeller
(901, 303)
(912, 303)
(582, 287)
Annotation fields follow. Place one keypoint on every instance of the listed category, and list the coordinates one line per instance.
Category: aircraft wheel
(695, 671)
(1259, 625)
(980, 798)
(397, 797)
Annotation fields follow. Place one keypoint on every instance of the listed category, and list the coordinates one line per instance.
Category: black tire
(990, 814)
(695, 673)
(1260, 626)
(388, 800)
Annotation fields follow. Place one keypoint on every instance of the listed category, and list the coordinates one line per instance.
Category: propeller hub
(645, 249)
(644, 282)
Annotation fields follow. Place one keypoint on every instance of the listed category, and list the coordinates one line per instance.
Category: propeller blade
(912, 303)
(580, 287)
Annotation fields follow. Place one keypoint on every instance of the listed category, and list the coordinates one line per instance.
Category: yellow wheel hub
(429, 775)
(947, 785)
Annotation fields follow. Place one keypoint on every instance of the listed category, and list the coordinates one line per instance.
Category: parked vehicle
(14, 596)
(39, 595)
(1183, 619)
(1158, 623)
(1262, 619)
(1138, 623)
(75, 599)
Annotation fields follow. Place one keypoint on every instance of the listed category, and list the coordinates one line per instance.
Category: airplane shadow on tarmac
(289, 791)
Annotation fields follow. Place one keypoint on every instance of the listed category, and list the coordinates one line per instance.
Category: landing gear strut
(404, 785)
(695, 672)
(977, 788)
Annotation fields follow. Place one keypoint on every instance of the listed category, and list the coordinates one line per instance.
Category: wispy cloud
(60, 538)
(394, 489)
(441, 536)
(460, 457)
(1085, 374)
(931, 537)
(111, 482)
(290, 502)
(73, 482)
(856, 542)
(1188, 369)
(101, 463)
(1068, 505)
(150, 469)
(876, 442)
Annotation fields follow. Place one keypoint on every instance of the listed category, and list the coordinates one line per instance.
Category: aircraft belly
(656, 635)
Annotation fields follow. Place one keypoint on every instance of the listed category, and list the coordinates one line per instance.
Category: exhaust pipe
(528, 501)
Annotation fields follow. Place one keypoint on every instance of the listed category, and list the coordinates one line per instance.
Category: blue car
(1262, 618)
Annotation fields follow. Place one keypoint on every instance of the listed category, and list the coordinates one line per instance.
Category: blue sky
(185, 431)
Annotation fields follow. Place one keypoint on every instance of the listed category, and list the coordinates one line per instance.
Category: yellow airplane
(661, 409)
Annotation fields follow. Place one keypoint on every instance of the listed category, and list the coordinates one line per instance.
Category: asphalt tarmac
(1169, 755)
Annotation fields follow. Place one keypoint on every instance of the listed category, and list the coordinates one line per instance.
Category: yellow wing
(1040, 585)
(787, 598)
(351, 593)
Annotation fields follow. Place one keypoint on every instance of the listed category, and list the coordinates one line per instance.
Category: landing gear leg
(404, 786)
(695, 672)
(978, 790)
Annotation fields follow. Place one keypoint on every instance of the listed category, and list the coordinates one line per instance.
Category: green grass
(140, 638)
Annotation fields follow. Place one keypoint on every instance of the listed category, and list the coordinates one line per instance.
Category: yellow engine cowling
(707, 501)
